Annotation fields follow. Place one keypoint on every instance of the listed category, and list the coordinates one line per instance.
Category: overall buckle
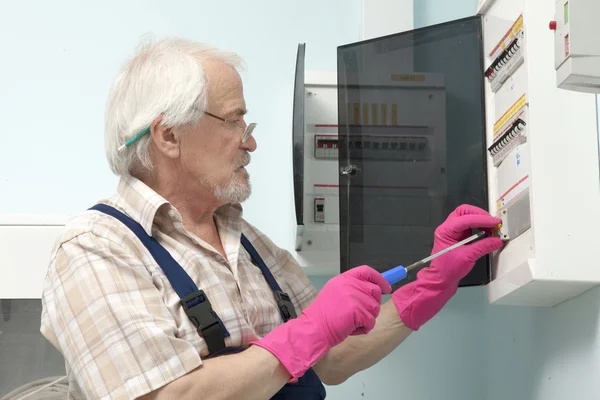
(285, 305)
(200, 312)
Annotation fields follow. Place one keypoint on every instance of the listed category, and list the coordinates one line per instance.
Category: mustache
(245, 160)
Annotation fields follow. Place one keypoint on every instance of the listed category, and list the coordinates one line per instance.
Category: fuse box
(576, 45)
(542, 144)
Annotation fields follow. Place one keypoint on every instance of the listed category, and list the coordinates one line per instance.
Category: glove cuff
(298, 344)
(417, 302)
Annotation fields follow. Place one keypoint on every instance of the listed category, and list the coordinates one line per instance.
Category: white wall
(60, 57)
(544, 354)
(386, 17)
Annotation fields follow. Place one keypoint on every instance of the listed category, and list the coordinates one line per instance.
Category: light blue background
(53, 87)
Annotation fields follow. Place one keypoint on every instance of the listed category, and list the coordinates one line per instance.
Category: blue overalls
(200, 312)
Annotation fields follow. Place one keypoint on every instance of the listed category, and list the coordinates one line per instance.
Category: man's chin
(236, 192)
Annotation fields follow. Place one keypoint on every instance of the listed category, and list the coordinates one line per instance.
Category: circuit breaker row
(509, 147)
(381, 147)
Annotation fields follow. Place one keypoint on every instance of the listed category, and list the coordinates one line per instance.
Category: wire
(49, 388)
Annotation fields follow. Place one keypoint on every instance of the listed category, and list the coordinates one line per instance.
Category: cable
(51, 388)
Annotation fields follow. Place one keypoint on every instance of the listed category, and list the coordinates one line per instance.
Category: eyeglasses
(236, 124)
(247, 131)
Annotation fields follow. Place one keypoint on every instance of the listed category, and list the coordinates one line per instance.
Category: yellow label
(365, 114)
(518, 25)
(510, 35)
(374, 114)
(384, 114)
(394, 114)
(408, 78)
(356, 114)
(509, 114)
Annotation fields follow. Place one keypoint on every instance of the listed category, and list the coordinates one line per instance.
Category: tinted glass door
(412, 142)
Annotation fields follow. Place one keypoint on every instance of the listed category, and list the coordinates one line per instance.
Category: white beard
(238, 189)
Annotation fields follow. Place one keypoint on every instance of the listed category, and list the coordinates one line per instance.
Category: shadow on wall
(567, 350)
(544, 353)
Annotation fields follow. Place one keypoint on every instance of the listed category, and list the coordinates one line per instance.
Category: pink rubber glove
(347, 305)
(417, 302)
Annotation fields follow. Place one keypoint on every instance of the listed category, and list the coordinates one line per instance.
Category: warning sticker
(519, 187)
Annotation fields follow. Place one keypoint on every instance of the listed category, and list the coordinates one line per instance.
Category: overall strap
(194, 301)
(286, 307)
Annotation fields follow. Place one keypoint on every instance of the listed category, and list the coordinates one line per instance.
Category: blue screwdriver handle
(395, 274)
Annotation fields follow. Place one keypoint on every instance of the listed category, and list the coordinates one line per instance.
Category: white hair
(165, 78)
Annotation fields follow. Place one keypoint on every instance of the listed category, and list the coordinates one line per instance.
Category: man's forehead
(221, 77)
(225, 89)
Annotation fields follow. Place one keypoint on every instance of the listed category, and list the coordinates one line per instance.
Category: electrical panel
(387, 146)
(576, 45)
(413, 125)
(542, 144)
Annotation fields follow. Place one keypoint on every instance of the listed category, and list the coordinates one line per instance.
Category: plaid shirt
(110, 310)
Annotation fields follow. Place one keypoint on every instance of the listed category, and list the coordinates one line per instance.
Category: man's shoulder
(91, 223)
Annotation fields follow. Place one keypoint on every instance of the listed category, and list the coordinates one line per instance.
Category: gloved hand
(417, 302)
(347, 305)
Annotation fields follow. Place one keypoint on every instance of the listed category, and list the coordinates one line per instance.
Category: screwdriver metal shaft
(400, 272)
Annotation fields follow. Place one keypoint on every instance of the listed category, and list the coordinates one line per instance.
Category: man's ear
(164, 139)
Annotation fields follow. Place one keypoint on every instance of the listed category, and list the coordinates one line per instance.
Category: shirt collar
(142, 204)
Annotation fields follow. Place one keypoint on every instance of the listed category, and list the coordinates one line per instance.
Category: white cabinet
(543, 161)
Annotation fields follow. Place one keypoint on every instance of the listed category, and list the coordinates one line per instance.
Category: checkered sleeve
(303, 290)
(105, 315)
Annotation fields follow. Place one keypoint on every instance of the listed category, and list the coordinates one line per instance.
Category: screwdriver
(398, 273)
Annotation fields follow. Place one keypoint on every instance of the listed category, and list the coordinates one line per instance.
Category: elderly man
(164, 291)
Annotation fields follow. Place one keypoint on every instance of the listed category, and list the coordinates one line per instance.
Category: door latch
(348, 170)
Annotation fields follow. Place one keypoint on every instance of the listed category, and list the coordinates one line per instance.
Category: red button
(552, 25)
